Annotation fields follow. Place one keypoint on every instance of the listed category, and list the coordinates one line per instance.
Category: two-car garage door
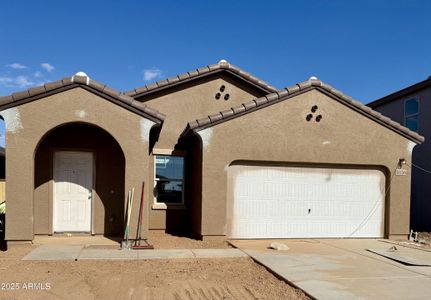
(304, 202)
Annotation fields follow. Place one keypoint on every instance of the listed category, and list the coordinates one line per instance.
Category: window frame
(163, 205)
(411, 115)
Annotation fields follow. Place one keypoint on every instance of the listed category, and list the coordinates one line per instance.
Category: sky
(366, 49)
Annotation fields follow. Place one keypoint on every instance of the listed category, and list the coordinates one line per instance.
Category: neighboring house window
(169, 179)
(411, 114)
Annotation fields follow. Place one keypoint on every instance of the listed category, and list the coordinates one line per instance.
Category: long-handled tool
(128, 214)
(137, 245)
(123, 243)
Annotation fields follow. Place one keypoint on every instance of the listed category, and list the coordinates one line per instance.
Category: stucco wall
(280, 133)
(421, 190)
(27, 124)
(183, 104)
(192, 100)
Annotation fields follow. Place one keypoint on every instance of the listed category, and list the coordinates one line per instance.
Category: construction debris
(278, 246)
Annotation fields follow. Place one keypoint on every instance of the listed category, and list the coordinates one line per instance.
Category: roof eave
(296, 90)
(201, 73)
(401, 93)
(95, 87)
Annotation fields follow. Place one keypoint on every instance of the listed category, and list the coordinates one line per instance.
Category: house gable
(199, 97)
(293, 91)
(84, 82)
(221, 67)
(280, 134)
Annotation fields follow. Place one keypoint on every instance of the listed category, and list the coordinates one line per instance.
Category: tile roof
(201, 72)
(93, 86)
(295, 90)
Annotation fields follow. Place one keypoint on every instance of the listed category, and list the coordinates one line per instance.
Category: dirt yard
(177, 279)
(425, 238)
(161, 240)
(424, 242)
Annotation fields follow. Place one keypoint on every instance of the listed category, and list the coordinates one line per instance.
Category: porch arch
(109, 176)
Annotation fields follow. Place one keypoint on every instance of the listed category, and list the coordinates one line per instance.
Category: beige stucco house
(222, 154)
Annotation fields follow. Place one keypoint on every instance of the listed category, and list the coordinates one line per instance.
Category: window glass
(412, 123)
(412, 107)
(169, 167)
(169, 181)
(169, 191)
(411, 114)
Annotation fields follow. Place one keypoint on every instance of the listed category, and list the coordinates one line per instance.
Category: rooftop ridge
(206, 70)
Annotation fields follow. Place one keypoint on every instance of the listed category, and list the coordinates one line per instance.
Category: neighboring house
(2, 164)
(411, 107)
(222, 155)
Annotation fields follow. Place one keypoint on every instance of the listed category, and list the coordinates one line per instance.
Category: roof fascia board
(327, 90)
(370, 116)
(122, 104)
(184, 81)
(401, 93)
(221, 66)
(94, 87)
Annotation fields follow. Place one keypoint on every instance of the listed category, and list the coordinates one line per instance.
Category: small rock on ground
(278, 246)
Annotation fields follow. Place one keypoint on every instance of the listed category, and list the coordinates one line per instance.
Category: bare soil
(425, 238)
(178, 279)
(161, 240)
(424, 242)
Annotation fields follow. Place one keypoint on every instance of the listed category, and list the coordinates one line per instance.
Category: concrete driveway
(344, 269)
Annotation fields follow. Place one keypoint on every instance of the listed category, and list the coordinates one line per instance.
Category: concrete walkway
(344, 269)
(80, 252)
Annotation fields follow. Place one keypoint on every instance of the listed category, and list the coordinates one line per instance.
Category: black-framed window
(411, 114)
(169, 179)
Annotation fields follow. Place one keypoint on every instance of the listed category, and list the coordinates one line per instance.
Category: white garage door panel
(295, 202)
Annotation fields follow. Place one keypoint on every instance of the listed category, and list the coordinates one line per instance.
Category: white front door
(73, 183)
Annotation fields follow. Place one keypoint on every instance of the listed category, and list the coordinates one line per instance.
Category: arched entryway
(79, 181)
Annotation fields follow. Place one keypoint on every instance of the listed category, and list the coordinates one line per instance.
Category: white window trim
(161, 205)
(412, 115)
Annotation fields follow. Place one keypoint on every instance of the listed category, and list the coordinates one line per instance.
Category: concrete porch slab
(54, 252)
(79, 252)
(107, 254)
(85, 240)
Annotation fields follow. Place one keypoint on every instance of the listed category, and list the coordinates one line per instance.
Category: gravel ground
(425, 238)
(177, 279)
(424, 243)
(161, 240)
